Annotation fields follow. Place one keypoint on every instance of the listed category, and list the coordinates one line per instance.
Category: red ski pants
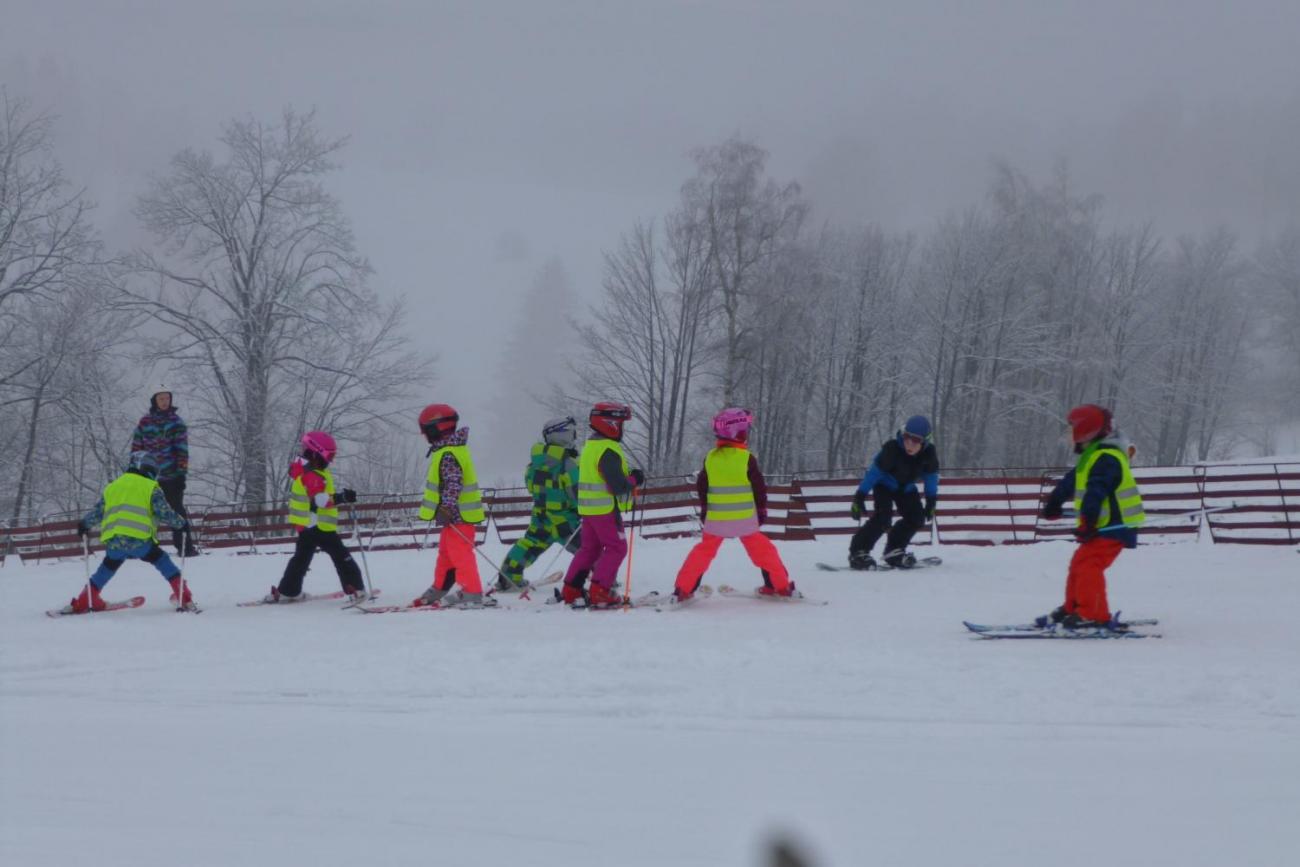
(761, 551)
(1085, 587)
(456, 561)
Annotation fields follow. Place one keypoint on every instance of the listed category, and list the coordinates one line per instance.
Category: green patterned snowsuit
(552, 478)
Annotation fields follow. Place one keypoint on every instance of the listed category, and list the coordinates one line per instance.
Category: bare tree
(747, 218)
(258, 280)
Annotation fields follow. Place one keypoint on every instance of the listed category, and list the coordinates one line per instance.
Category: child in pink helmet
(313, 510)
(733, 505)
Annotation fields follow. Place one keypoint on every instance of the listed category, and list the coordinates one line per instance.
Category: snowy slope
(875, 728)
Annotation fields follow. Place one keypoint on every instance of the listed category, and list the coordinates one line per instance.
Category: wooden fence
(1256, 504)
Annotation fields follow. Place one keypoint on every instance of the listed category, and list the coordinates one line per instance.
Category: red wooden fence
(1256, 504)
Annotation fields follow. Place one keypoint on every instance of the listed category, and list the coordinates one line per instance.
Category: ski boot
(861, 561)
(432, 596)
(788, 592)
(1055, 616)
(181, 599)
(275, 597)
(900, 559)
(603, 597)
(84, 602)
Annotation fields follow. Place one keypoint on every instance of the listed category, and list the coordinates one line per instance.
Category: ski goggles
(913, 439)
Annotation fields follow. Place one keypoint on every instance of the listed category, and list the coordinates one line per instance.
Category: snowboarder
(314, 510)
(1108, 511)
(453, 498)
(891, 481)
(605, 490)
(552, 479)
(129, 511)
(733, 505)
(162, 433)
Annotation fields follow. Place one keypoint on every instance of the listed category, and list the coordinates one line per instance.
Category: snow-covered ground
(875, 729)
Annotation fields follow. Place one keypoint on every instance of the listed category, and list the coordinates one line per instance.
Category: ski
(1056, 632)
(306, 597)
(733, 592)
(66, 611)
(1033, 627)
(454, 600)
(921, 563)
(527, 587)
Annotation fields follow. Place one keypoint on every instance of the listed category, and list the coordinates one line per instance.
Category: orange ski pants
(1085, 586)
(456, 561)
(761, 551)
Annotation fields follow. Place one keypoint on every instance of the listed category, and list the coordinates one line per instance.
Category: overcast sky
(488, 137)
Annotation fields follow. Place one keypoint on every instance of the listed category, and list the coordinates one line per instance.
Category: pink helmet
(733, 424)
(320, 443)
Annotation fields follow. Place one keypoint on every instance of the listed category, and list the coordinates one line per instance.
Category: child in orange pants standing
(733, 505)
(452, 496)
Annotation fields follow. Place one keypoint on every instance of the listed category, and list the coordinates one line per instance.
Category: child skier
(130, 510)
(1108, 510)
(733, 505)
(552, 479)
(313, 509)
(452, 496)
(605, 490)
(891, 480)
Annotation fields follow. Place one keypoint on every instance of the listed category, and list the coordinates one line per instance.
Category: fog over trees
(969, 271)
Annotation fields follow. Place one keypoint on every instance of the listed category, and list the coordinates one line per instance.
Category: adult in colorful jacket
(314, 512)
(129, 512)
(605, 490)
(552, 479)
(733, 505)
(1108, 510)
(162, 434)
(891, 481)
(452, 497)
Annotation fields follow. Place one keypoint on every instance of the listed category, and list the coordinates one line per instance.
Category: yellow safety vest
(730, 496)
(327, 517)
(594, 496)
(1131, 513)
(128, 508)
(471, 498)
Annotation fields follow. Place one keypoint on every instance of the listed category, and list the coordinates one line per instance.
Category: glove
(347, 495)
(1051, 511)
(762, 516)
(929, 508)
(858, 507)
(180, 482)
(82, 529)
(1085, 531)
(637, 477)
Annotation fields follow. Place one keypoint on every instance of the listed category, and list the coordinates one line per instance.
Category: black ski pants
(174, 491)
(912, 518)
(309, 541)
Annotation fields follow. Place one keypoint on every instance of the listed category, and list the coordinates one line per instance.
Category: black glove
(637, 477)
(1085, 531)
(180, 482)
(858, 507)
(929, 508)
(347, 495)
(185, 525)
(1051, 511)
(762, 517)
(82, 529)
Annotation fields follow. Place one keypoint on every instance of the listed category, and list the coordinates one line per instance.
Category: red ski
(306, 597)
(66, 610)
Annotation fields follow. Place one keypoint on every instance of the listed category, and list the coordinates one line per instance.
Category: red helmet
(437, 420)
(321, 444)
(1088, 422)
(607, 418)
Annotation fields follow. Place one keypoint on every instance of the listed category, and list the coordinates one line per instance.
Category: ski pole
(486, 558)
(85, 560)
(180, 585)
(631, 536)
(365, 567)
(563, 547)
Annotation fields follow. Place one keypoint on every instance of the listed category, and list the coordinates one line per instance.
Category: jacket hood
(459, 438)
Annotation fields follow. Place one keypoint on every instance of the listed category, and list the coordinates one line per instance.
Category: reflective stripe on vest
(470, 500)
(128, 508)
(300, 511)
(594, 496)
(1131, 513)
(730, 496)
